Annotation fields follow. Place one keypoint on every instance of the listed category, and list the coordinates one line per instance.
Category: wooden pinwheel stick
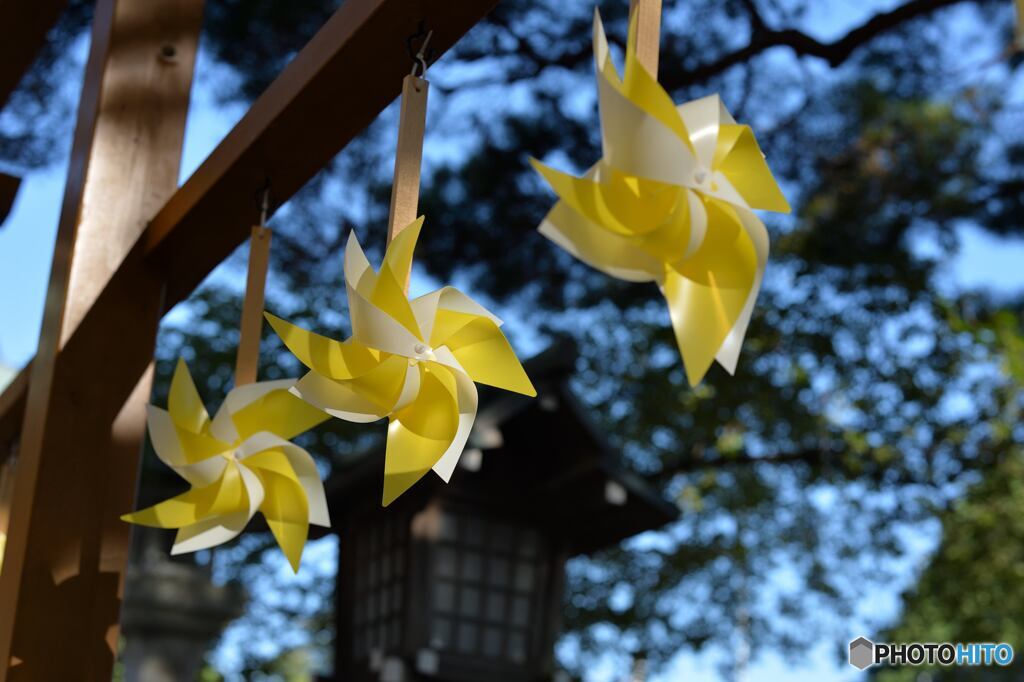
(412, 122)
(405, 190)
(648, 32)
(251, 328)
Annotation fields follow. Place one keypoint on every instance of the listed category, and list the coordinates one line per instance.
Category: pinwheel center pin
(700, 177)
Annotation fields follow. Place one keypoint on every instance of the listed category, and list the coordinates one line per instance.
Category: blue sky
(26, 246)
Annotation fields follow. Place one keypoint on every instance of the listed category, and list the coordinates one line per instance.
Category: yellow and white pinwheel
(414, 362)
(238, 464)
(670, 201)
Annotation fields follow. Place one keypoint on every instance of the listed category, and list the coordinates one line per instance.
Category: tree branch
(757, 22)
(763, 38)
(809, 456)
(835, 53)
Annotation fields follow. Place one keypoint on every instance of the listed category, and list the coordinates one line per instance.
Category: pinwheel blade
(285, 505)
(177, 512)
(740, 159)
(279, 412)
(420, 434)
(486, 356)
(184, 404)
(334, 359)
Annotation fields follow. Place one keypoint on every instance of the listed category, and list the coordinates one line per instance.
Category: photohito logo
(864, 653)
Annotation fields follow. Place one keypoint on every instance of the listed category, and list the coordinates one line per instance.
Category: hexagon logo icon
(862, 653)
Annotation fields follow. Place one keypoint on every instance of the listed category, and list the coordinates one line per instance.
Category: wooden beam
(12, 410)
(8, 191)
(90, 380)
(333, 89)
(25, 25)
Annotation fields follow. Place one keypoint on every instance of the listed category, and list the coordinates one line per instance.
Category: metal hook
(421, 57)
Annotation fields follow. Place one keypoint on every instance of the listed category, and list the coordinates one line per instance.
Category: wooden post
(6, 491)
(251, 328)
(648, 32)
(12, 409)
(90, 381)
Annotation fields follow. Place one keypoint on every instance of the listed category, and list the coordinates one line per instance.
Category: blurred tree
(35, 123)
(864, 404)
(971, 589)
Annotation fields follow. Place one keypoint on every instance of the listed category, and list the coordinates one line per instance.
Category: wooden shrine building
(464, 582)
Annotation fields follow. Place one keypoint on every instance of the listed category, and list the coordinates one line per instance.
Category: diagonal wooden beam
(24, 26)
(333, 89)
(8, 191)
(12, 410)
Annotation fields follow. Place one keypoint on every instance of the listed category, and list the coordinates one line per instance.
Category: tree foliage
(970, 590)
